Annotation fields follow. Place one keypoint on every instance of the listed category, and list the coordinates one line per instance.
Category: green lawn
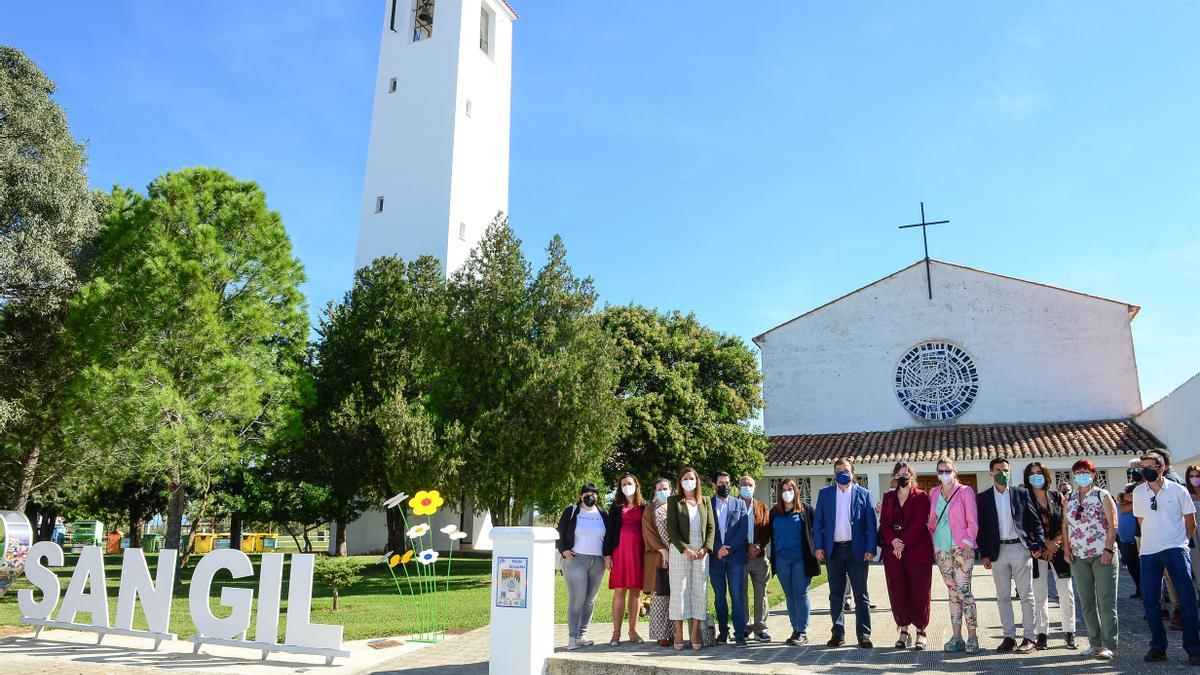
(370, 608)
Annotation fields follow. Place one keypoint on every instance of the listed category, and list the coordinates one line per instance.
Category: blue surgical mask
(843, 477)
(1083, 479)
(662, 495)
(1037, 480)
(747, 491)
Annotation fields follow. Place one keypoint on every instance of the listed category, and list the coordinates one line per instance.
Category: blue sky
(746, 161)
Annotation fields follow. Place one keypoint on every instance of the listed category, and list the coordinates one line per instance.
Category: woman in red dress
(624, 549)
(907, 554)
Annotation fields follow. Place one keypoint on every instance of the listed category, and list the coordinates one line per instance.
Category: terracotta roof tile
(1017, 441)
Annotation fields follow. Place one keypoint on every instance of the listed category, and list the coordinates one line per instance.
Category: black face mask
(722, 491)
(902, 481)
(1150, 475)
(589, 500)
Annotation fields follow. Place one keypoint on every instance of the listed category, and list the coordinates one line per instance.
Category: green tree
(690, 396)
(528, 374)
(191, 333)
(373, 427)
(336, 573)
(47, 218)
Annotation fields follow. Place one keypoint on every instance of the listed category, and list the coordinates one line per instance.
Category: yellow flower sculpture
(394, 560)
(426, 502)
(407, 556)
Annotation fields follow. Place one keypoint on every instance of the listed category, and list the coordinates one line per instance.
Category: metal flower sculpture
(429, 592)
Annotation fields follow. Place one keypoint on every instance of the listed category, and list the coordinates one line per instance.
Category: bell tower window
(485, 30)
(422, 20)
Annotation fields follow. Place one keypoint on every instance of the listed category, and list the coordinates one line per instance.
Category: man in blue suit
(727, 567)
(844, 534)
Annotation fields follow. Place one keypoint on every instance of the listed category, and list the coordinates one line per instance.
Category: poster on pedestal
(512, 579)
(17, 538)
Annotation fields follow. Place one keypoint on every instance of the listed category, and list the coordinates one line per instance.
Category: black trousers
(1129, 556)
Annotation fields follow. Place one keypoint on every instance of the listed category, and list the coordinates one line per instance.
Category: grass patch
(370, 608)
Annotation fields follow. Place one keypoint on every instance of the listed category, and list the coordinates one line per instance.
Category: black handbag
(662, 581)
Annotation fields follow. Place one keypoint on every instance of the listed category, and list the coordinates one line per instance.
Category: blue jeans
(840, 563)
(1178, 564)
(790, 571)
(732, 576)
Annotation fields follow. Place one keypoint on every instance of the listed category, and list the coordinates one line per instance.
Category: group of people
(677, 546)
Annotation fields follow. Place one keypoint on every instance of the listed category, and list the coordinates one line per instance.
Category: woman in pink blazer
(954, 524)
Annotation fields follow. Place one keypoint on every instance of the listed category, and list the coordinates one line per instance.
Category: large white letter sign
(44, 579)
(136, 582)
(270, 581)
(89, 569)
(299, 630)
(239, 599)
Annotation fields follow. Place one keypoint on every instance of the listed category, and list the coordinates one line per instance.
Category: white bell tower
(437, 161)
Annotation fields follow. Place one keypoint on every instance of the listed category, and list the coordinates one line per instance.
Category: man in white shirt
(1167, 515)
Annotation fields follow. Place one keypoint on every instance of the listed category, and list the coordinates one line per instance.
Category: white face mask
(628, 490)
(945, 477)
(788, 496)
(688, 484)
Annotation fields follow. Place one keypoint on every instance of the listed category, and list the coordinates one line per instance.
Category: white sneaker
(584, 642)
(573, 644)
(1088, 651)
(1104, 653)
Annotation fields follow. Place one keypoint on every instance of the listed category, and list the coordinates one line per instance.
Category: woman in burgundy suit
(907, 554)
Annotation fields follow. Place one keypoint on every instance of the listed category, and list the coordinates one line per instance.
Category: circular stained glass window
(937, 381)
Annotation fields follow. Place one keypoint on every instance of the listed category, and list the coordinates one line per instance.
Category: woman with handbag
(1091, 523)
(907, 554)
(954, 524)
(691, 531)
(657, 581)
(792, 555)
(1049, 505)
(581, 531)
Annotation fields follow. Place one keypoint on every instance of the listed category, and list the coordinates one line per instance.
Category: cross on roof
(923, 224)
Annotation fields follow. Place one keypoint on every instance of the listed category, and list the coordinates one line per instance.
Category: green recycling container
(151, 543)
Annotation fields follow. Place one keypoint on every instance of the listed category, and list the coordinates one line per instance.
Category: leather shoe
(1006, 645)
(865, 643)
(1025, 647)
(1194, 659)
(739, 641)
(723, 637)
(1041, 642)
(835, 641)
(1155, 655)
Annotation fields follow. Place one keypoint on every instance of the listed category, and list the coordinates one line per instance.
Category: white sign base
(42, 624)
(268, 647)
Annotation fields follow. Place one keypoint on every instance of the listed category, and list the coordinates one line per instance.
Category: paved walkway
(469, 654)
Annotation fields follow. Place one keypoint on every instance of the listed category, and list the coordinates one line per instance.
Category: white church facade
(437, 162)
(990, 366)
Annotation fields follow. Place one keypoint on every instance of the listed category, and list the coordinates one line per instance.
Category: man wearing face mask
(758, 519)
(1165, 511)
(845, 534)
(1009, 531)
(727, 570)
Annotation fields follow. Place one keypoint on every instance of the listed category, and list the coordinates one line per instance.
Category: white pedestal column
(522, 599)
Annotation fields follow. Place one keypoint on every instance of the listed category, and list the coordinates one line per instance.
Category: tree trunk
(25, 486)
(395, 530)
(307, 541)
(135, 528)
(335, 598)
(45, 530)
(340, 539)
(175, 506)
(235, 531)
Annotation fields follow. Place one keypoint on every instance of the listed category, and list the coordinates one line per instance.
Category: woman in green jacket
(691, 529)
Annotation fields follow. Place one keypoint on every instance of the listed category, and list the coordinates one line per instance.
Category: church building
(942, 359)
